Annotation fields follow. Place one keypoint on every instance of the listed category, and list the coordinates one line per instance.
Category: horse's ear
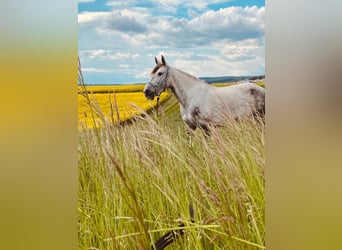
(156, 60)
(163, 60)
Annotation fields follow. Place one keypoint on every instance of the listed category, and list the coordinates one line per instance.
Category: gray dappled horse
(204, 105)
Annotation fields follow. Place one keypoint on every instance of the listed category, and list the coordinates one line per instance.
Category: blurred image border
(39, 125)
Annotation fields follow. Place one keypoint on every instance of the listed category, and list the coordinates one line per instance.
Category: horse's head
(158, 81)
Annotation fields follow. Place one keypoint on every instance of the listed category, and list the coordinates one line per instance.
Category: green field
(137, 181)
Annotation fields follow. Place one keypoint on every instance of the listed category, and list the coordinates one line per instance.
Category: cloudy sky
(119, 39)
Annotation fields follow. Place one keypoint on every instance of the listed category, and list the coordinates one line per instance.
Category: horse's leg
(206, 129)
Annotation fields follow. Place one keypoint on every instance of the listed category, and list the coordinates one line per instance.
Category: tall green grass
(137, 181)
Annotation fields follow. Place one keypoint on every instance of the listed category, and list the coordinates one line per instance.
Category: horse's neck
(182, 85)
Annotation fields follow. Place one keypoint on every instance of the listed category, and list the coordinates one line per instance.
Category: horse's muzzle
(149, 93)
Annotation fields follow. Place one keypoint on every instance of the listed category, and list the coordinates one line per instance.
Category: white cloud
(92, 17)
(97, 53)
(171, 6)
(245, 50)
(125, 66)
(165, 6)
(235, 23)
(126, 56)
(121, 4)
(145, 74)
(246, 57)
(119, 21)
(95, 70)
(85, 1)
(229, 41)
(211, 66)
(107, 54)
(93, 54)
(218, 66)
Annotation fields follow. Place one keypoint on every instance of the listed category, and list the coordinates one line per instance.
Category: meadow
(137, 181)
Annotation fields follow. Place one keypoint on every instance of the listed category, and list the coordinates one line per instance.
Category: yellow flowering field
(112, 104)
(114, 88)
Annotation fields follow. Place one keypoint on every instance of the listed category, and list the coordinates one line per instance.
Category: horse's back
(244, 98)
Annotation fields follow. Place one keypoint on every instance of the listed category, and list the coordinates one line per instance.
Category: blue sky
(119, 39)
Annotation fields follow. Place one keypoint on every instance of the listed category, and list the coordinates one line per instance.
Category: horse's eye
(160, 73)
